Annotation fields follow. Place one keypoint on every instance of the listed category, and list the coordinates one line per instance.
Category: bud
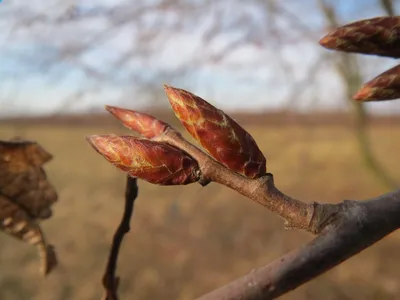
(146, 125)
(220, 135)
(377, 36)
(26, 195)
(385, 86)
(155, 162)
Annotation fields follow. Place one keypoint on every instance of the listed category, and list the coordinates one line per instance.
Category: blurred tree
(348, 68)
(128, 46)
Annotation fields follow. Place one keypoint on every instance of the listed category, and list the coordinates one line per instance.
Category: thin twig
(110, 281)
(262, 190)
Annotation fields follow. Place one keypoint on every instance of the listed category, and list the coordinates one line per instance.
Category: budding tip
(96, 140)
(168, 89)
(112, 110)
(109, 108)
(122, 114)
(357, 97)
(91, 139)
(323, 41)
(362, 95)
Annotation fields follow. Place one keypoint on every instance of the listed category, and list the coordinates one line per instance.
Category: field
(186, 241)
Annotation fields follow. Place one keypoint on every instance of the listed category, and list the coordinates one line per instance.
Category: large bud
(219, 134)
(376, 36)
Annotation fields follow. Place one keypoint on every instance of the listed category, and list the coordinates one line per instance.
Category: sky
(66, 56)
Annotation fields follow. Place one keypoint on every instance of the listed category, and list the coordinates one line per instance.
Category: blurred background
(259, 61)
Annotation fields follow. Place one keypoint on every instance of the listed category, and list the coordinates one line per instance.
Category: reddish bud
(220, 135)
(148, 126)
(377, 36)
(155, 162)
(385, 86)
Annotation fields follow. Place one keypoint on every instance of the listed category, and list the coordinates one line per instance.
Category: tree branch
(356, 226)
(110, 281)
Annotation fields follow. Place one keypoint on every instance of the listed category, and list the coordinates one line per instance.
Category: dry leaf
(26, 196)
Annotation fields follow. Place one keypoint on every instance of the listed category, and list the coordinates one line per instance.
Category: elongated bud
(148, 126)
(385, 86)
(220, 135)
(155, 162)
(377, 36)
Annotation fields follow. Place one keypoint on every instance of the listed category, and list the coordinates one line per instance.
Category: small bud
(148, 126)
(219, 134)
(155, 162)
(377, 36)
(385, 86)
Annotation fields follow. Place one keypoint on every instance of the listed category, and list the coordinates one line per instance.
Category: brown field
(186, 241)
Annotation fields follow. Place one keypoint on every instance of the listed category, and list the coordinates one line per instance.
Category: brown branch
(357, 225)
(110, 281)
(297, 214)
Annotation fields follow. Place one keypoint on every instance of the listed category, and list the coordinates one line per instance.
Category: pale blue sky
(35, 80)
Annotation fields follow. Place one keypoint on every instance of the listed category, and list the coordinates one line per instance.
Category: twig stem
(110, 281)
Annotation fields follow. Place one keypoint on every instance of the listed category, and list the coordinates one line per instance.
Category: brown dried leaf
(17, 223)
(219, 134)
(26, 195)
(155, 162)
(377, 36)
(385, 86)
(22, 178)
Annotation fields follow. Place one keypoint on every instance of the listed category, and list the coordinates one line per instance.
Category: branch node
(323, 215)
(203, 181)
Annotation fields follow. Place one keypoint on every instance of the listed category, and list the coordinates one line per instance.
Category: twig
(357, 226)
(262, 190)
(110, 281)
